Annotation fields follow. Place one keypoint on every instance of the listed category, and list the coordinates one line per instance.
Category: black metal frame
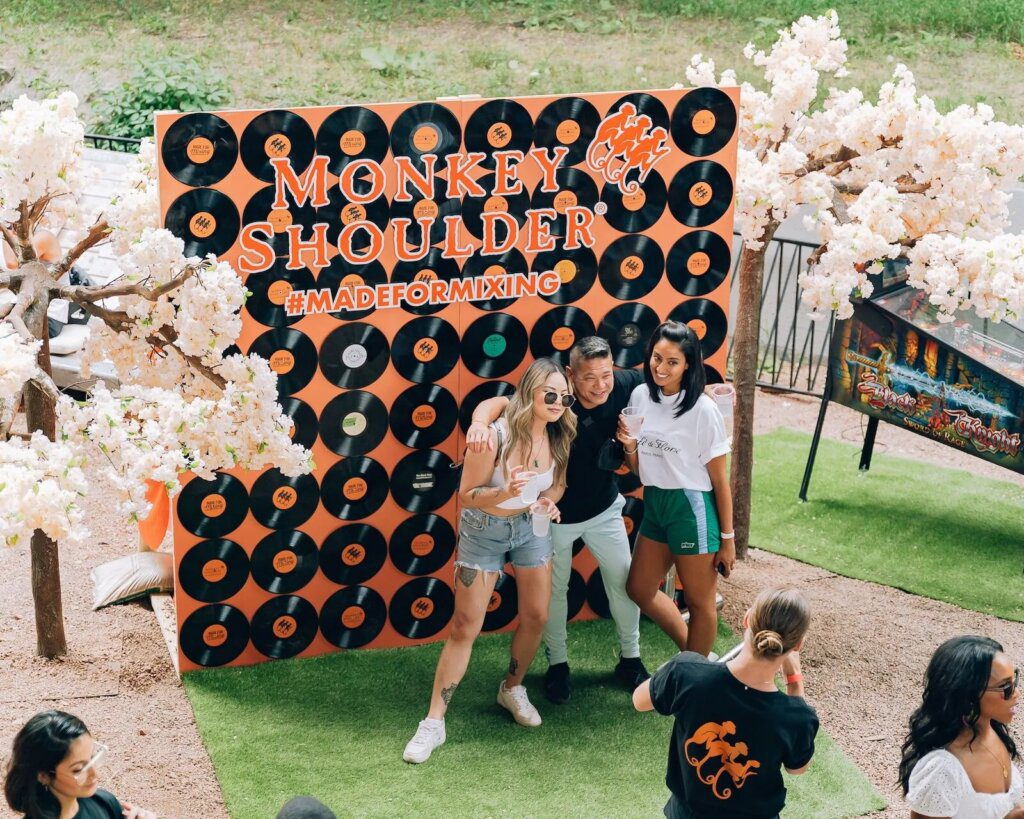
(113, 143)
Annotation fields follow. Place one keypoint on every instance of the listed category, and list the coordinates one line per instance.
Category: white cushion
(70, 340)
(131, 577)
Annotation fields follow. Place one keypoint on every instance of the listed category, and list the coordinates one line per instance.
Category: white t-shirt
(939, 786)
(673, 452)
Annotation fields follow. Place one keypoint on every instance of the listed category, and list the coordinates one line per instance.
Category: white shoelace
(520, 698)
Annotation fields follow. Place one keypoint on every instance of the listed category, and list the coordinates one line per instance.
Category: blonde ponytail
(779, 619)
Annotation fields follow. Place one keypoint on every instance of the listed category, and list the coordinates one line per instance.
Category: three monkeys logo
(628, 138)
(712, 736)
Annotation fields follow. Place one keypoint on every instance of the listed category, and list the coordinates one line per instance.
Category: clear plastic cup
(530, 492)
(633, 420)
(724, 395)
(541, 519)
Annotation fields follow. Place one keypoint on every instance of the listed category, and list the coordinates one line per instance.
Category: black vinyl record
(576, 595)
(349, 134)
(571, 122)
(503, 606)
(638, 211)
(576, 268)
(206, 220)
(632, 517)
(274, 135)
(433, 267)
(437, 207)
(280, 502)
(647, 106)
(473, 208)
(199, 149)
(707, 320)
(423, 480)
(507, 264)
(557, 330)
(353, 617)
(270, 289)
(213, 570)
(700, 193)
(354, 488)
(339, 212)
(291, 355)
(214, 635)
(352, 554)
(284, 562)
(423, 416)
(494, 345)
(712, 375)
(631, 267)
(575, 188)
(283, 627)
(426, 128)
(304, 421)
(627, 329)
(578, 546)
(422, 544)
(354, 355)
(353, 423)
(213, 508)
(488, 389)
(627, 480)
(260, 208)
(704, 121)
(498, 125)
(426, 349)
(422, 607)
(597, 597)
(698, 263)
(340, 273)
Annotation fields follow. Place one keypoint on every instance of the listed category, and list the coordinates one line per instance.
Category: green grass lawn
(940, 533)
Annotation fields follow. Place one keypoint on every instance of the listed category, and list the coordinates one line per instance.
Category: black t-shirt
(101, 805)
(589, 490)
(729, 742)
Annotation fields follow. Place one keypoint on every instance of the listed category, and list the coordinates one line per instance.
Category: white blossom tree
(163, 320)
(886, 179)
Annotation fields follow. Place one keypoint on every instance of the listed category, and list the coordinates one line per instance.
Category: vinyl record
(704, 121)
(647, 106)
(213, 570)
(636, 212)
(473, 208)
(426, 128)
(291, 355)
(626, 480)
(280, 502)
(213, 508)
(260, 208)
(632, 516)
(494, 345)
(698, 263)
(199, 149)
(488, 389)
(433, 267)
(352, 554)
(340, 273)
(304, 421)
(422, 544)
(437, 207)
(206, 220)
(349, 134)
(270, 290)
(354, 488)
(700, 193)
(214, 635)
(627, 329)
(498, 125)
(578, 546)
(284, 562)
(421, 608)
(576, 595)
(508, 263)
(283, 627)
(571, 122)
(631, 267)
(353, 423)
(424, 480)
(576, 268)
(707, 320)
(575, 188)
(712, 375)
(423, 416)
(273, 135)
(354, 355)
(426, 349)
(557, 330)
(353, 617)
(503, 606)
(597, 597)
(339, 212)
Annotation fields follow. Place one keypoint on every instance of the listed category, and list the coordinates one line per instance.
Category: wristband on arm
(727, 535)
(794, 678)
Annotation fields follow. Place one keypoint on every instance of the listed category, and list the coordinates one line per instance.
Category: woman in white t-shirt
(679, 454)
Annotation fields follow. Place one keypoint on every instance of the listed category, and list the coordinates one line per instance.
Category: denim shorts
(488, 542)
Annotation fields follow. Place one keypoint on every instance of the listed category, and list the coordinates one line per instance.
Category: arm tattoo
(475, 491)
(448, 693)
(467, 575)
(513, 666)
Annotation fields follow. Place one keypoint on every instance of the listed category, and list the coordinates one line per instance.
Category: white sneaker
(515, 701)
(429, 735)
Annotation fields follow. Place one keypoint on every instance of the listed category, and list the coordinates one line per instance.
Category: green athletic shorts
(685, 519)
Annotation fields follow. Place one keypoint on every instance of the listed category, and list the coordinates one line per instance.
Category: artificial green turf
(335, 727)
(940, 533)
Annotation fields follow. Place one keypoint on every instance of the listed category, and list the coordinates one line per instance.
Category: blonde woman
(526, 459)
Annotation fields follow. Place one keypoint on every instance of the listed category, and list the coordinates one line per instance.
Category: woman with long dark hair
(958, 758)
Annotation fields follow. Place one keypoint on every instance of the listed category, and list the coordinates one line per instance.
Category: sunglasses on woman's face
(1009, 687)
(553, 397)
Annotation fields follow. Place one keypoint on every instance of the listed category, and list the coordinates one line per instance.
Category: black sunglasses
(1007, 687)
(552, 397)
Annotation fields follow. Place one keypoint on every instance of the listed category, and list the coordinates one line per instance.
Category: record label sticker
(284, 562)
(426, 275)
(629, 524)
(354, 356)
(494, 602)
(278, 291)
(631, 267)
(634, 201)
(213, 505)
(353, 212)
(564, 200)
(496, 204)
(568, 131)
(494, 345)
(354, 489)
(699, 263)
(422, 545)
(563, 338)
(353, 424)
(499, 135)
(277, 145)
(279, 219)
(423, 416)
(426, 138)
(202, 224)
(426, 208)
(699, 327)
(566, 270)
(700, 194)
(353, 555)
(425, 350)
(629, 335)
(703, 122)
(215, 635)
(282, 361)
(284, 627)
(199, 150)
(353, 617)
(285, 497)
(214, 571)
(352, 142)
(495, 270)
(352, 280)
(423, 481)
(422, 608)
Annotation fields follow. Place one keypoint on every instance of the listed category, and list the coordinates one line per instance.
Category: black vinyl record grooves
(578, 546)
(576, 595)
(291, 355)
(340, 273)
(206, 220)
(426, 128)
(494, 345)
(339, 212)
(354, 355)
(627, 480)
(260, 208)
(273, 135)
(352, 554)
(280, 502)
(423, 416)
(354, 488)
(698, 263)
(488, 389)
(498, 125)
(284, 562)
(213, 570)
(283, 627)
(425, 349)
(632, 516)
(270, 289)
(627, 329)
(422, 607)
(597, 597)
(213, 508)
(423, 480)
(575, 188)
(503, 605)
(646, 105)
(349, 134)
(700, 193)
(576, 268)
(571, 122)
(473, 208)
(636, 212)
(199, 149)
(704, 121)
(422, 544)
(433, 267)
(214, 635)
(712, 375)
(352, 617)
(353, 423)
(304, 421)
(557, 330)
(631, 267)
(508, 263)
(707, 320)
(437, 207)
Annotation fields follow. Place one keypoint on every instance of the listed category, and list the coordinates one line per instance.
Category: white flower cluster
(17, 362)
(137, 209)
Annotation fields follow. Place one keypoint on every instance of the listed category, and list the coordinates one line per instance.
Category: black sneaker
(630, 672)
(556, 683)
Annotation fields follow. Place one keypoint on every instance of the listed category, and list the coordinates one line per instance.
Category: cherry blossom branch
(856, 190)
(8, 422)
(9, 280)
(12, 239)
(85, 295)
(97, 234)
(170, 335)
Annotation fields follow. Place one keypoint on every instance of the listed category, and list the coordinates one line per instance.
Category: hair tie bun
(768, 642)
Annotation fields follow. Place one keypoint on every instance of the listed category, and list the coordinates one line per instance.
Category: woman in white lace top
(959, 760)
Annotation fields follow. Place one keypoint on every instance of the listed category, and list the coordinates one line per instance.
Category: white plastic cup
(724, 395)
(633, 420)
(541, 519)
(530, 492)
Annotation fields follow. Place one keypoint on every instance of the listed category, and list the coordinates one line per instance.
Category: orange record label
(422, 607)
(568, 131)
(285, 562)
(279, 219)
(278, 291)
(353, 424)
(496, 203)
(199, 150)
(422, 545)
(566, 270)
(202, 224)
(703, 122)
(634, 201)
(700, 194)
(425, 208)
(699, 327)
(629, 525)
(563, 338)
(423, 416)
(215, 635)
(426, 275)
(494, 602)
(282, 361)
(631, 267)
(623, 469)
(353, 617)
(499, 135)
(284, 627)
(214, 571)
(426, 138)
(353, 554)
(425, 350)
(285, 497)
(353, 213)
(699, 263)
(352, 142)
(291, 430)
(354, 489)
(563, 200)
(277, 145)
(495, 270)
(352, 280)
(213, 506)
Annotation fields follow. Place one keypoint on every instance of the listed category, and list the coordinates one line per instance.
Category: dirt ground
(863, 664)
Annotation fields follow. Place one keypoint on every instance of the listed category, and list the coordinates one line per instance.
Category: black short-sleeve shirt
(730, 742)
(101, 805)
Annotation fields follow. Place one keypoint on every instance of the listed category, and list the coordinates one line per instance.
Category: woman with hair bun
(734, 730)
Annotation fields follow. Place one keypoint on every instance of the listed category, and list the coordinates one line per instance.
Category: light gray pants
(605, 536)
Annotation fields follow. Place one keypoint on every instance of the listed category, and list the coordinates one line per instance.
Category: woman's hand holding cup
(517, 479)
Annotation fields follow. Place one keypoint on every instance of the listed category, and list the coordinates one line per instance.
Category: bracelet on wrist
(727, 535)
(631, 451)
(794, 678)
